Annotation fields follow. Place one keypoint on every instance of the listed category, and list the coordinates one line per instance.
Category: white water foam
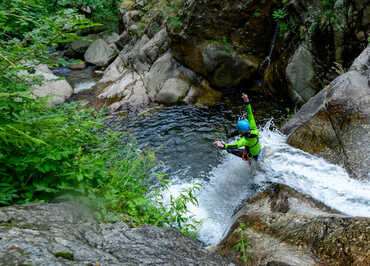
(311, 175)
(228, 185)
(83, 86)
(232, 181)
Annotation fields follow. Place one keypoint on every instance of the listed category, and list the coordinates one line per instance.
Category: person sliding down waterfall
(249, 137)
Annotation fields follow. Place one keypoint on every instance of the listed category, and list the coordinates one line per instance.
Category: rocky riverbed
(191, 56)
(68, 234)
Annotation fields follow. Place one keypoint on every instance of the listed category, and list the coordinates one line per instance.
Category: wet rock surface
(67, 234)
(335, 123)
(285, 227)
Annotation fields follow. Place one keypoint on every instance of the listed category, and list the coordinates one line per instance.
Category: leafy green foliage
(257, 14)
(63, 151)
(27, 31)
(224, 43)
(327, 17)
(328, 4)
(102, 11)
(243, 242)
(279, 14)
(284, 28)
(174, 22)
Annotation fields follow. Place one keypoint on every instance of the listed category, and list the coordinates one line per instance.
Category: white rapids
(83, 86)
(232, 181)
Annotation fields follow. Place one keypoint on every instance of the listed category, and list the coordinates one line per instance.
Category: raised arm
(252, 122)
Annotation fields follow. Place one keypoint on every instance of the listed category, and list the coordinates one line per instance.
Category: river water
(183, 138)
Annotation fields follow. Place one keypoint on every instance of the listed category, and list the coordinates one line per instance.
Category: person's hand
(219, 144)
(245, 97)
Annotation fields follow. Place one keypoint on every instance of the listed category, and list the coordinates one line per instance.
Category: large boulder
(172, 91)
(213, 41)
(300, 74)
(58, 89)
(284, 227)
(128, 91)
(225, 41)
(146, 72)
(157, 46)
(110, 38)
(162, 70)
(335, 123)
(100, 53)
(68, 234)
(225, 69)
(78, 47)
(326, 45)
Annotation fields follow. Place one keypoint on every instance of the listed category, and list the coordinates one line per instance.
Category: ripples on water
(184, 136)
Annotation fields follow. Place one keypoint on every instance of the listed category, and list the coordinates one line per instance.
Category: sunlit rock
(172, 91)
(335, 123)
(100, 53)
(57, 89)
(284, 227)
(300, 74)
(68, 234)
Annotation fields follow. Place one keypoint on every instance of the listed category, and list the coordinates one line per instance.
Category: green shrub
(243, 242)
(48, 152)
(279, 14)
(284, 28)
(257, 14)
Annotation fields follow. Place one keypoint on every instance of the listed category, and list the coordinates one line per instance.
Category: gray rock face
(217, 38)
(68, 234)
(111, 38)
(146, 72)
(366, 16)
(100, 53)
(157, 46)
(58, 89)
(78, 47)
(163, 69)
(134, 57)
(173, 91)
(225, 69)
(285, 227)
(300, 73)
(336, 121)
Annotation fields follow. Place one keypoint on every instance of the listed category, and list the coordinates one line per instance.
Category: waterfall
(230, 182)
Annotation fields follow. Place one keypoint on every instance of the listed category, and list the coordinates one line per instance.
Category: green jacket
(251, 141)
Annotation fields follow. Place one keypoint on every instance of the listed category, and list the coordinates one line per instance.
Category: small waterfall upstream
(233, 180)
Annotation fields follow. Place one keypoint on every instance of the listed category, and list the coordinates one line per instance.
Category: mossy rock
(64, 255)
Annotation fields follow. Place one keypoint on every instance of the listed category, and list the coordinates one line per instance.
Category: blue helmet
(243, 126)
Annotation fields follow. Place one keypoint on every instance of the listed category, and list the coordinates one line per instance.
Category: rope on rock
(266, 63)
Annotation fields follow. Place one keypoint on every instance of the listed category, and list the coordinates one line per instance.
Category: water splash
(233, 180)
(83, 86)
(311, 175)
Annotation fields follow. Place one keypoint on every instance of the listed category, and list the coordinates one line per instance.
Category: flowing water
(80, 80)
(183, 137)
